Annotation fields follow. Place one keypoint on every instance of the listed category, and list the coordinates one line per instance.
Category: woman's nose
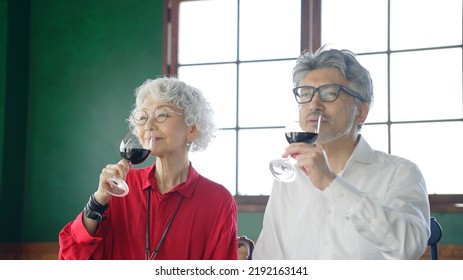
(150, 124)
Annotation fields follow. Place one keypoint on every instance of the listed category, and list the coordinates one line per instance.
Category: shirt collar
(186, 188)
(363, 152)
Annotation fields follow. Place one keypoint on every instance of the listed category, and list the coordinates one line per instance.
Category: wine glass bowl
(132, 150)
(282, 169)
(135, 152)
(306, 137)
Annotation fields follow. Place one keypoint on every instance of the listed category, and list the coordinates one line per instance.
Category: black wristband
(94, 210)
(96, 216)
(93, 205)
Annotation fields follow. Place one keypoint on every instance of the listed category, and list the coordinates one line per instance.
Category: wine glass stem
(287, 163)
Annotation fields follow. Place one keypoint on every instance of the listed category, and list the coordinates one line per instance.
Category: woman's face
(165, 123)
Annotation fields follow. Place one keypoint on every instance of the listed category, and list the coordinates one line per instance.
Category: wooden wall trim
(446, 203)
(251, 203)
(440, 203)
(446, 252)
(29, 251)
(49, 251)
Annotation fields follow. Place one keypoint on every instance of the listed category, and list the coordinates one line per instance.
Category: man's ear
(193, 133)
(363, 110)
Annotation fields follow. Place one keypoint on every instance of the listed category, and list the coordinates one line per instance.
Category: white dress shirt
(376, 208)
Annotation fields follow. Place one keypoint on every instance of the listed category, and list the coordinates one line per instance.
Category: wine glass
(135, 152)
(282, 169)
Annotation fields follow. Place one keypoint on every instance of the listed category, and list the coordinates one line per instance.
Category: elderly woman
(171, 212)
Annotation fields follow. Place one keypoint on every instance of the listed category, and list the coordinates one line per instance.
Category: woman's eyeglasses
(140, 117)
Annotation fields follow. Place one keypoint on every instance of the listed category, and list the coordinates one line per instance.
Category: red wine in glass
(135, 152)
(135, 155)
(282, 169)
(307, 137)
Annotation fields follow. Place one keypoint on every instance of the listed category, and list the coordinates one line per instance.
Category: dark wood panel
(440, 203)
(49, 251)
(446, 252)
(29, 251)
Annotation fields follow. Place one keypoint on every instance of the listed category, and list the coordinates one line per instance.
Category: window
(416, 67)
(243, 66)
(240, 53)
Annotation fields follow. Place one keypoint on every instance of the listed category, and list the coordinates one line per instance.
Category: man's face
(341, 117)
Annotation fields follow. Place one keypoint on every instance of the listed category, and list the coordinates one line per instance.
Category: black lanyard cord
(147, 232)
(148, 255)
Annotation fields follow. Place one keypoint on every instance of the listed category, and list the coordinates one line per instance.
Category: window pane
(257, 147)
(377, 65)
(358, 25)
(376, 136)
(426, 85)
(207, 31)
(218, 84)
(270, 29)
(436, 148)
(218, 161)
(266, 97)
(425, 23)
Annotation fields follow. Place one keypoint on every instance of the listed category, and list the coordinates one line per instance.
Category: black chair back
(244, 241)
(436, 235)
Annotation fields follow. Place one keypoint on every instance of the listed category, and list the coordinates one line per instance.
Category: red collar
(186, 188)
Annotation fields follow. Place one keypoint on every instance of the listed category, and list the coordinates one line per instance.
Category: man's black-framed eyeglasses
(327, 93)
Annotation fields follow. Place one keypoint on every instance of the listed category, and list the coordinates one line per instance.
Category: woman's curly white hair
(197, 110)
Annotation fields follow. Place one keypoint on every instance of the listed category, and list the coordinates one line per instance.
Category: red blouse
(204, 228)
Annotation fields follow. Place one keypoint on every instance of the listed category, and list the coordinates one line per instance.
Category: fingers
(118, 170)
(125, 164)
(312, 160)
(299, 148)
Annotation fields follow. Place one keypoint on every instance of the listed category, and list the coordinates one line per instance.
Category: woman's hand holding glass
(111, 172)
(133, 151)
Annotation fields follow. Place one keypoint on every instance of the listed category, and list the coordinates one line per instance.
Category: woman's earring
(188, 144)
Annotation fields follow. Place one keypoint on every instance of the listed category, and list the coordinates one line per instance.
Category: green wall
(452, 227)
(250, 224)
(69, 80)
(14, 109)
(3, 25)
